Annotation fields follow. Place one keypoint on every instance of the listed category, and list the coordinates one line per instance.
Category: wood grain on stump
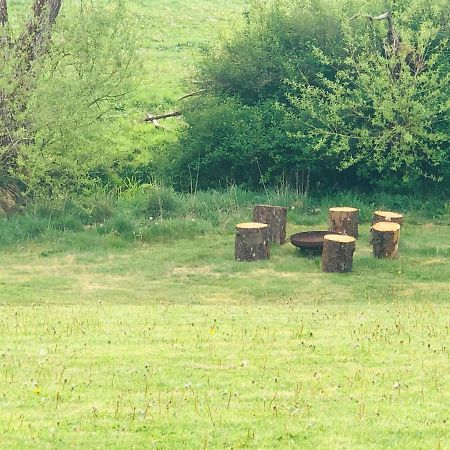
(385, 239)
(252, 241)
(337, 254)
(275, 217)
(387, 216)
(344, 220)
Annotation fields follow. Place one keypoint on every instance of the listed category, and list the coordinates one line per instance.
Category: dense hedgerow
(319, 91)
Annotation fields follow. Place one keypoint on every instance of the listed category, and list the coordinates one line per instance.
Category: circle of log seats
(251, 241)
(385, 239)
(337, 254)
(387, 216)
(275, 217)
(344, 220)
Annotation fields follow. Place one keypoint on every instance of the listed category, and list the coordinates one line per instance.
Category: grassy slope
(178, 346)
(174, 33)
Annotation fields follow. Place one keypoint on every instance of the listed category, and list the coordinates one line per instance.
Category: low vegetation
(153, 212)
(178, 346)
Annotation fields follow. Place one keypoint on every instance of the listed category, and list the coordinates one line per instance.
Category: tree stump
(275, 217)
(385, 238)
(387, 216)
(252, 241)
(337, 254)
(344, 220)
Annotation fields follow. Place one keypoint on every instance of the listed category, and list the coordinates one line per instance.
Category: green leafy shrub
(317, 93)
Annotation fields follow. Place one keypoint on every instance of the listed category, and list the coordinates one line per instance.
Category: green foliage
(385, 117)
(71, 98)
(317, 87)
(161, 201)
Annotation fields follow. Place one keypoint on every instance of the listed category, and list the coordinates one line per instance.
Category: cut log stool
(275, 217)
(387, 216)
(252, 241)
(337, 254)
(344, 220)
(385, 239)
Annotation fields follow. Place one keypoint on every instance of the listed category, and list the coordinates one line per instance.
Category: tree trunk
(337, 255)
(387, 216)
(252, 242)
(344, 220)
(385, 239)
(32, 43)
(3, 12)
(275, 217)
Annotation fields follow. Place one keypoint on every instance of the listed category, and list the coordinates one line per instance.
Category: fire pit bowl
(309, 239)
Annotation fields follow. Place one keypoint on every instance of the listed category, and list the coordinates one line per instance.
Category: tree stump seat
(337, 255)
(252, 241)
(385, 239)
(344, 220)
(387, 216)
(275, 217)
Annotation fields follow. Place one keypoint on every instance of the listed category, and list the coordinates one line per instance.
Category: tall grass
(154, 212)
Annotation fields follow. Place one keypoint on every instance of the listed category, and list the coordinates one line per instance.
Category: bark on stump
(252, 241)
(385, 239)
(344, 220)
(387, 216)
(275, 218)
(337, 254)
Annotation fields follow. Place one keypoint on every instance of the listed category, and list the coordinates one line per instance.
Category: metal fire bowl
(309, 239)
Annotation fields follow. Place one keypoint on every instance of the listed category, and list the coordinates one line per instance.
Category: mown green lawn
(176, 345)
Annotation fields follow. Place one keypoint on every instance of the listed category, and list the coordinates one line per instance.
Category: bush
(315, 92)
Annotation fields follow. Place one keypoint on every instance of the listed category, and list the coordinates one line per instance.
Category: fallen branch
(192, 94)
(154, 119)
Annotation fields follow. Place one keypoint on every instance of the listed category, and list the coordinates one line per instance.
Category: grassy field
(176, 345)
(129, 325)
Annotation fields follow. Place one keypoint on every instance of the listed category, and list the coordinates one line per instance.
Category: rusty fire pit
(311, 240)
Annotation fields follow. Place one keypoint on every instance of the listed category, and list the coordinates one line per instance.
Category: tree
(18, 58)
(63, 77)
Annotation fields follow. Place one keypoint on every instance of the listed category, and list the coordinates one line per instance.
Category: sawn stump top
(339, 238)
(386, 226)
(251, 225)
(343, 209)
(390, 214)
(270, 206)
